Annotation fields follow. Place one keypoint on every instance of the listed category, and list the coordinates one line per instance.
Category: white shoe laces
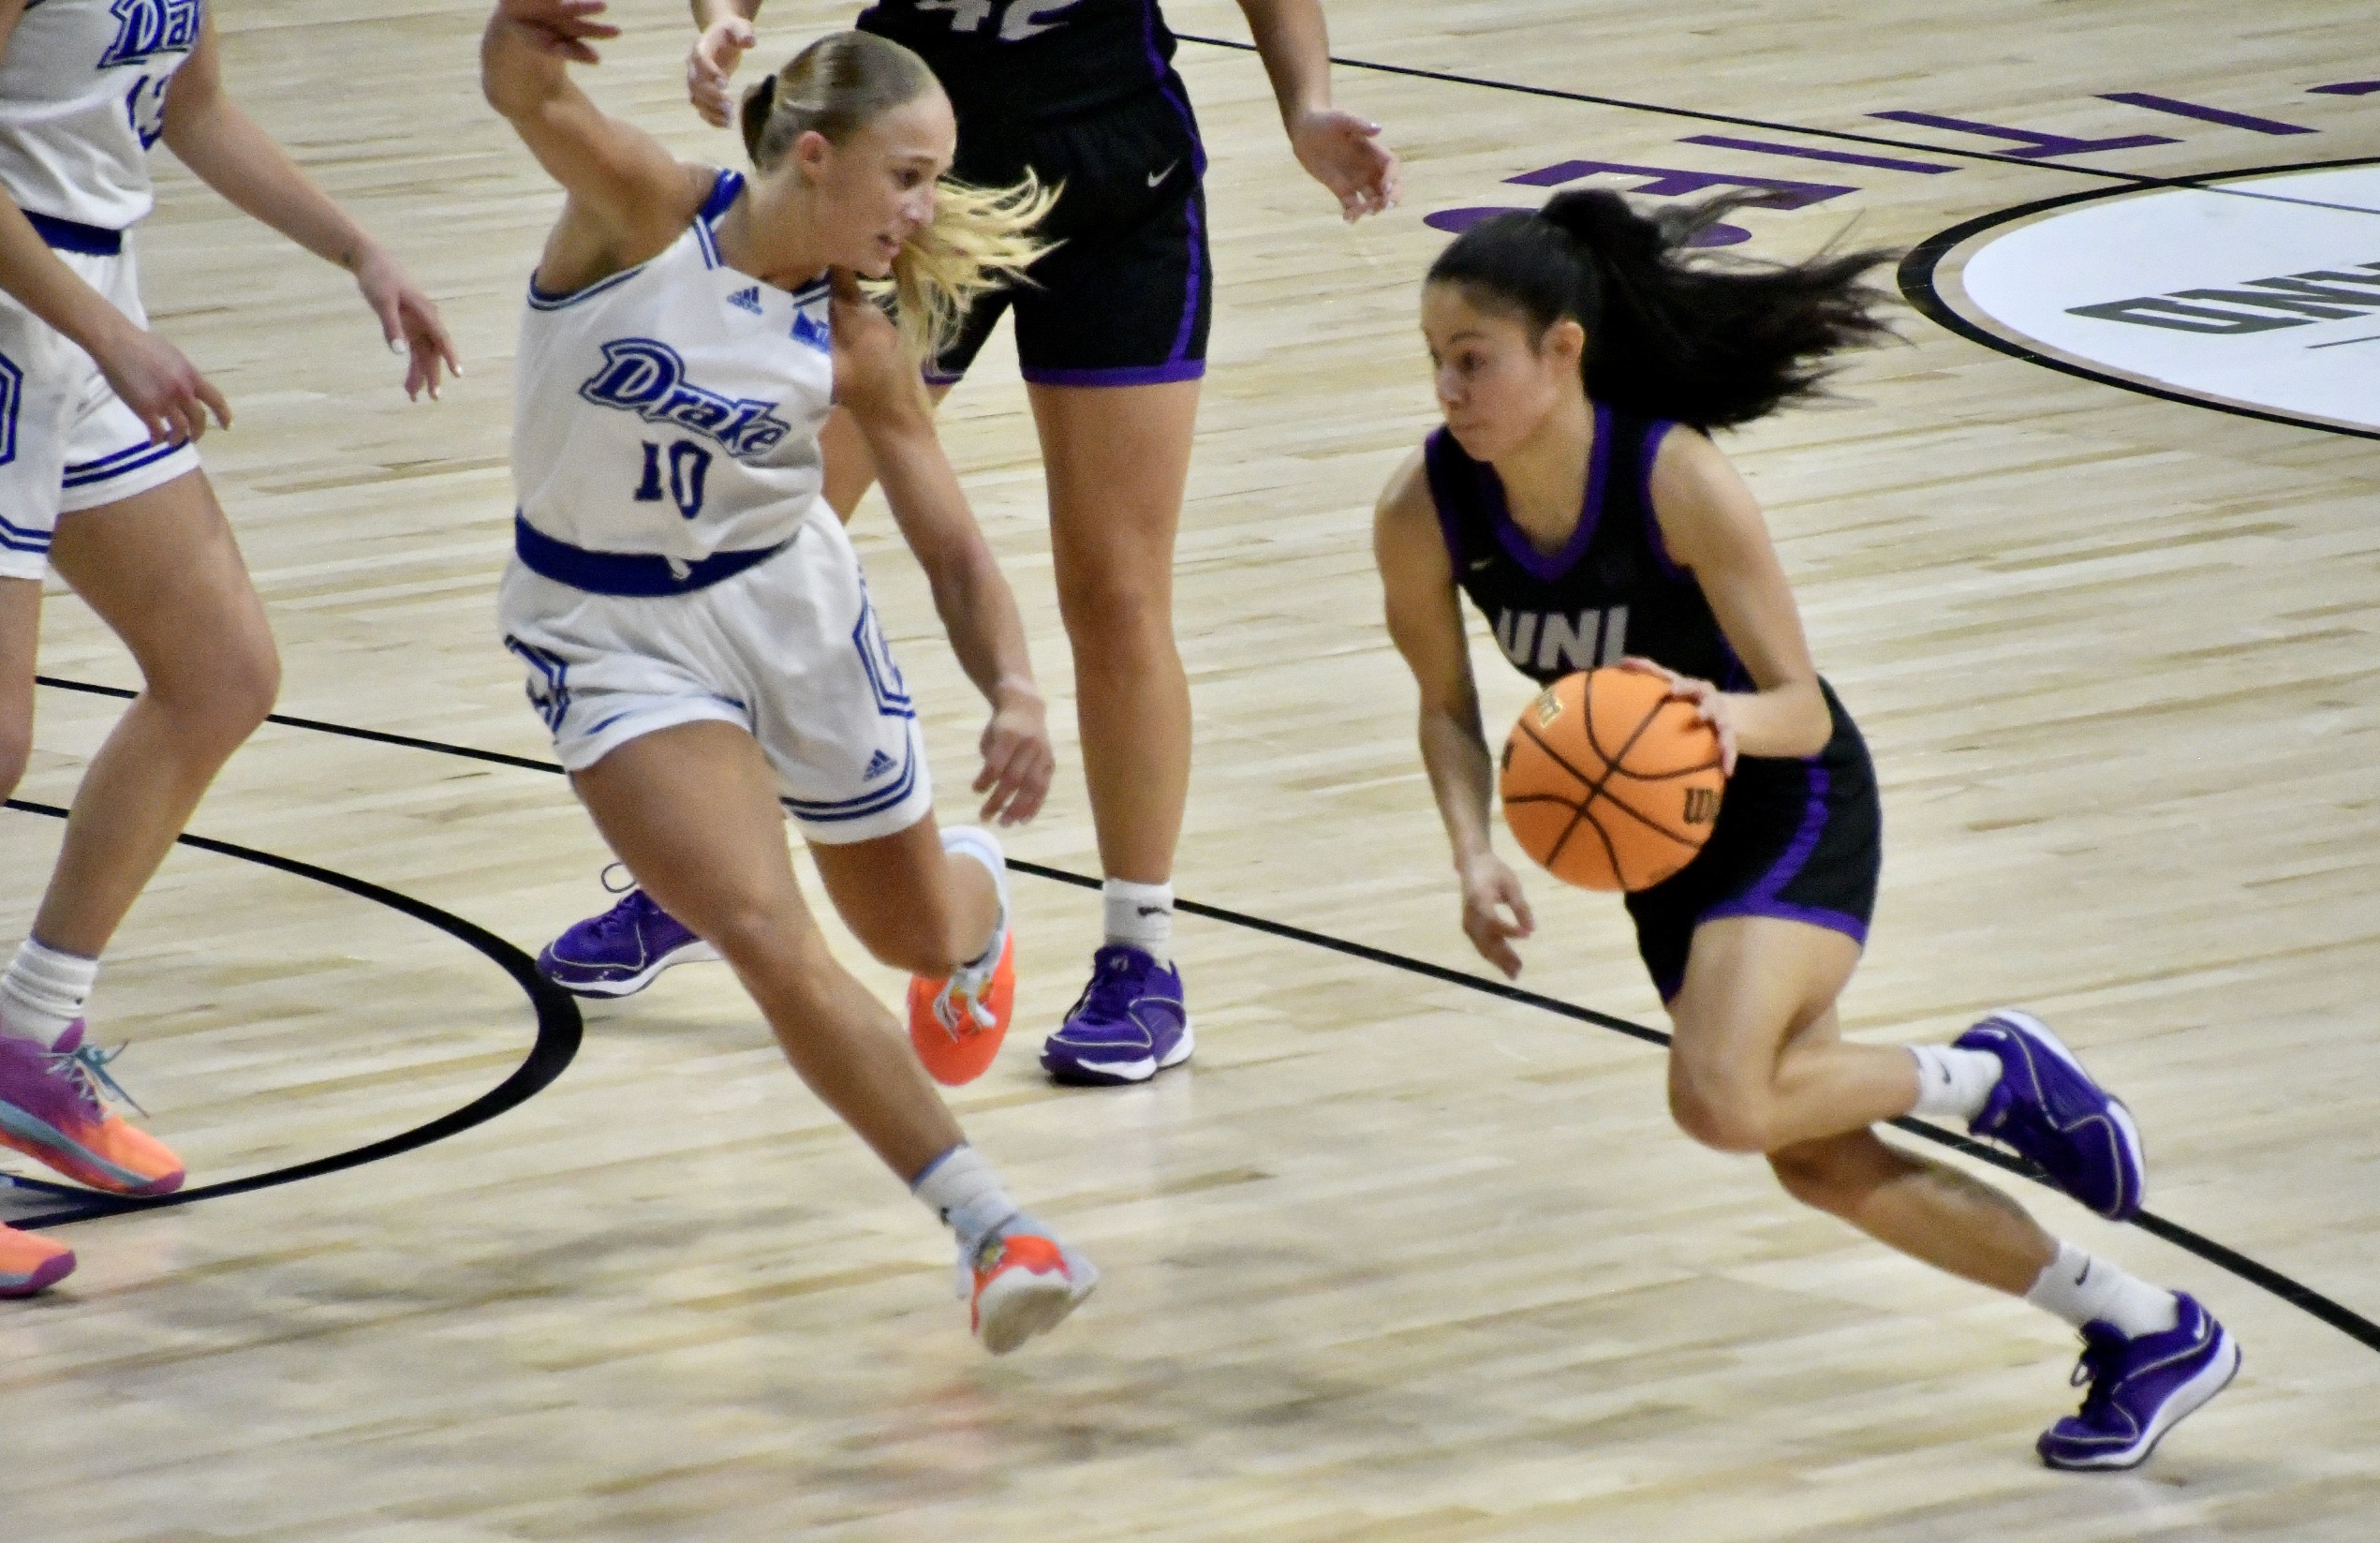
(960, 998)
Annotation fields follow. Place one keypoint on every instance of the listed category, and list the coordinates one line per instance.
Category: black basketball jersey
(1611, 591)
(1027, 61)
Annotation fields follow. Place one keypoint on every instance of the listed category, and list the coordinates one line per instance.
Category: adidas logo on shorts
(746, 299)
(878, 765)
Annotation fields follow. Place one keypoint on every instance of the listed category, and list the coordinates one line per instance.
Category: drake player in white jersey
(696, 633)
(99, 479)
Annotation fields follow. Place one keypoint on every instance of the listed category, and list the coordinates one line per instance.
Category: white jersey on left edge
(672, 409)
(82, 92)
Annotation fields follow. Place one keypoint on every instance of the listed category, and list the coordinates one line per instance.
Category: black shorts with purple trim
(1802, 840)
(1124, 299)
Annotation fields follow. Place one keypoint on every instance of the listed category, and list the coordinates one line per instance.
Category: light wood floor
(1391, 1260)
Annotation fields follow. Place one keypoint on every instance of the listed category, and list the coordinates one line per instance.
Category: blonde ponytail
(982, 238)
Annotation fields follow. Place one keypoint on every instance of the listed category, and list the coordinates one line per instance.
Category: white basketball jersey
(672, 409)
(82, 92)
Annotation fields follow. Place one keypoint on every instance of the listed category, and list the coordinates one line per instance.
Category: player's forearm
(1295, 43)
(970, 594)
(1787, 721)
(521, 82)
(708, 13)
(31, 274)
(1462, 777)
(223, 146)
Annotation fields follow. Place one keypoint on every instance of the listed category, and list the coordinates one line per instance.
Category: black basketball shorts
(1124, 299)
(1798, 840)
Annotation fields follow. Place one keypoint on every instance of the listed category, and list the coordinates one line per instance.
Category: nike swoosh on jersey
(1155, 177)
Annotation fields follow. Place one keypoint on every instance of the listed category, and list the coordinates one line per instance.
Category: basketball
(1609, 782)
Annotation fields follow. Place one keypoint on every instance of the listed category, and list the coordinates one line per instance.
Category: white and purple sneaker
(2139, 1389)
(618, 953)
(1128, 1025)
(2047, 1108)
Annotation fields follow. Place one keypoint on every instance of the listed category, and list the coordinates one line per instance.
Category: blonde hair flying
(980, 239)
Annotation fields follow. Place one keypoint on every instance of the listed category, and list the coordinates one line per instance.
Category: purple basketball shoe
(2140, 1388)
(618, 953)
(1128, 1025)
(2047, 1108)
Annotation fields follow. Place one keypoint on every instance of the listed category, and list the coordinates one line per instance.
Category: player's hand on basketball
(1344, 154)
(1711, 705)
(409, 320)
(164, 390)
(1495, 912)
(564, 28)
(716, 54)
(1018, 760)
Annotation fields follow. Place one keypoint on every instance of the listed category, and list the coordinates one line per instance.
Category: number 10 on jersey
(688, 464)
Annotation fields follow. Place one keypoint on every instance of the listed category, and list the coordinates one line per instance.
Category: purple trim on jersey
(1121, 375)
(1438, 463)
(1543, 567)
(1653, 436)
(723, 190)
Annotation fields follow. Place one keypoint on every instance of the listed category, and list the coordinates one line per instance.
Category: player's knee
(224, 700)
(1723, 1116)
(1119, 611)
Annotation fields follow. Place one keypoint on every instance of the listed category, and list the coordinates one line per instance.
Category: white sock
(2080, 1289)
(1139, 916)
(43, 992)
(1953, 1082)
(961, 1189)
(983, 846)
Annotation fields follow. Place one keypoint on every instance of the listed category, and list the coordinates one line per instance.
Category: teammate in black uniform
(1574, 496)
(1112, 338)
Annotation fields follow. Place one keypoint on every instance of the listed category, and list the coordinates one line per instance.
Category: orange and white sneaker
(956, 1025)
(50, 1109)
(1023, 1282)
(29, 1264)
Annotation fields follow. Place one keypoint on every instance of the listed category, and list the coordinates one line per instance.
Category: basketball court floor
(1401, 1256)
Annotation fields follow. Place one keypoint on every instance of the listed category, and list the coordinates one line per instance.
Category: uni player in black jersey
(1574, 496)
(1111, 337)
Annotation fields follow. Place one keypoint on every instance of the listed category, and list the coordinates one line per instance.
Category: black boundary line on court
(1917, 280)
(2136, 180)
(2355, 1326)
(559, 1030)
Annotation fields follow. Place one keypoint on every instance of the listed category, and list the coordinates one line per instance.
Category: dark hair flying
(1709, 345)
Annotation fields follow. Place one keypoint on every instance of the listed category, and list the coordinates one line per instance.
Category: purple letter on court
(2041, 144)
(2204, 114)
(1669, 182)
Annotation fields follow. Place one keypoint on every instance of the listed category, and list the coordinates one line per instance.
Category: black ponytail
(1711, 346)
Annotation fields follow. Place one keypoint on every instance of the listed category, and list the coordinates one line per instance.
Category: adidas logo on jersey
(878, 765)
(746, 299)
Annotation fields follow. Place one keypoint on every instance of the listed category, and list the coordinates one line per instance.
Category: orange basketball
(1608, 782)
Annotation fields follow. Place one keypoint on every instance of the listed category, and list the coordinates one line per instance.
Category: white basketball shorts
(67, 442)
(789, 650)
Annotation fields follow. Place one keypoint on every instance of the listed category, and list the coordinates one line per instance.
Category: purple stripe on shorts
(1653, 436)
(1122, 375)
(1834, 921)
(1190, 290)
(1788, 867)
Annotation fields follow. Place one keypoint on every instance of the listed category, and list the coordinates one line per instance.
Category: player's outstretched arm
(628, 196)
(1426, 622)
(223, 145)
(725, 36)
(879, 382)
(1337, 149)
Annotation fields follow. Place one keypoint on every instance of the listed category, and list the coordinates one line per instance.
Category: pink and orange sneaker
(1025, 1284)
(50, 1109)
(29, 1264)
